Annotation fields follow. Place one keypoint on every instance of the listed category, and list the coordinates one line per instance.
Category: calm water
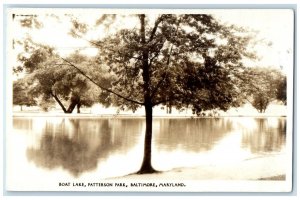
(89, 147)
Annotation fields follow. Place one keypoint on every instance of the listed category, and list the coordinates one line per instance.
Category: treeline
(49, 82)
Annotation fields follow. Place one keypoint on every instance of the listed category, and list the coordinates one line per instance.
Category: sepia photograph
(149, 100)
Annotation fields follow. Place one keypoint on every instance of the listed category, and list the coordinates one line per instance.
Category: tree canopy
(52, 79)
(264, 85)
(186, 59)
(21, 95)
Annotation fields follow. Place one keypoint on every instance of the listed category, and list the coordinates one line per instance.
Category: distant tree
(188, 60)
(21, 95)
(46, 104)
(263, 85)
(281, 89)
(261, 101)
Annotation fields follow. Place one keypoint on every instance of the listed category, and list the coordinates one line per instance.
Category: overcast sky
(275, 26)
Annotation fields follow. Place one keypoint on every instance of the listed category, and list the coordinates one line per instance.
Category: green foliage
(281, 89)
(261, 101)
(21, 94)
(78, 28)
(46, 104)
(53, 79)
(188, 60)
(264, 85)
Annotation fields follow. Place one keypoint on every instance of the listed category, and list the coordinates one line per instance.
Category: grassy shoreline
(83, 115)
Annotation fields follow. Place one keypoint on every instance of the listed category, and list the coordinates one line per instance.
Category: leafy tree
(21, 95)
(263, 86)
(189, 60)
(51, 79)
(281, 89)
(261, 101)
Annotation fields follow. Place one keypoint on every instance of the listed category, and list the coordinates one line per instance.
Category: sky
(274, 27)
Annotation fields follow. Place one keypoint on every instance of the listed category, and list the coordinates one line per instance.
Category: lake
(85, 148)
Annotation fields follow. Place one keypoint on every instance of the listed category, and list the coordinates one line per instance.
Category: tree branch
(167, 64)
(156, 54)
(157, 22)
(171, 49)
(165, 101)
(81, 37)
(246, 81)
(158, 84)
(137, 58)
(164, 75)
(100, 86)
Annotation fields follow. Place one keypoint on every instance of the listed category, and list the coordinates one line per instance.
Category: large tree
(50, 79)
(186, 60)
(53, 80)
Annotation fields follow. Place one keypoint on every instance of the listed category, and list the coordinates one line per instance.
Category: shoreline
(192, 173)
(244, 170)
(87, 115)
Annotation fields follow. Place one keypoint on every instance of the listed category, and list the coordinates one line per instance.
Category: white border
(241, 3)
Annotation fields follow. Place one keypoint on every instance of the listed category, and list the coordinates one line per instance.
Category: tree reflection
(21, 124)
(264, 137)
(194, 135)
(79, 145)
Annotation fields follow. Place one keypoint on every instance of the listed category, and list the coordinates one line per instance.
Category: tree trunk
(74, 101)
(78, 107)
(169, 108)
(146, 165)
(71, 107)
(59, 102)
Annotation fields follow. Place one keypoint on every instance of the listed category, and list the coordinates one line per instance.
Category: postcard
(149, 100)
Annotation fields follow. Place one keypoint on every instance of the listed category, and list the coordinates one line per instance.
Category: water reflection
(22, 125)
(268, 135)
(193, 135)
(80, 145)
(109, 146)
